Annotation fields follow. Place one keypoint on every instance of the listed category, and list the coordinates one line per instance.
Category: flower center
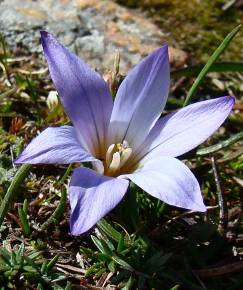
(116, 157)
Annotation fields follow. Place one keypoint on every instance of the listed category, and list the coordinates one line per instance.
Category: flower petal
(171, 181)
(178, 133)
(92, 196)
(84, 94)
(55, 145)
(146, 86)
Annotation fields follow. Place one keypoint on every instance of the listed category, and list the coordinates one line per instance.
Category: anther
(116, 156)
(126, 153)
(115, 163)
(109, 154)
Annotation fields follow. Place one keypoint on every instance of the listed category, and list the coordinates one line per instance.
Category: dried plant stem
(223, 210)
(222, 270)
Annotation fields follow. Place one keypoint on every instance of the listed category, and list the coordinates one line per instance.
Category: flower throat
(116, 157)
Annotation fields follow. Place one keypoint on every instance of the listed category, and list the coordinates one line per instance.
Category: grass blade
(24, 222)
(223, 144)
(17, 180)
(220, 67)
(210, 62)
(109, 230)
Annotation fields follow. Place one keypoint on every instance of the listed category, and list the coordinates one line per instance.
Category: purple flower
(125, 140)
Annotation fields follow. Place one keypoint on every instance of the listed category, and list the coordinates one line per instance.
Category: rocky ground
(95, 29)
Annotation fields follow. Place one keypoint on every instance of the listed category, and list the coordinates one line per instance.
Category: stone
(94, 29)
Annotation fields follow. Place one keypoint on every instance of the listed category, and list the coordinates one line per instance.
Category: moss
(196, 26)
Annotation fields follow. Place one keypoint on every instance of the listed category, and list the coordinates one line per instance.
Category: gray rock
(94, 29)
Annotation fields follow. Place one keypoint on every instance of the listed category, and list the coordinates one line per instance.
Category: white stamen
(126, 153)
(109, 154)
(115, 163)
(116, 156)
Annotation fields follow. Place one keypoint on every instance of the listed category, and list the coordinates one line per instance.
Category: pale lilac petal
(140, 99)
(84, 94)
(55, 145)
(178, 133)
(171, 181)
(92, 196)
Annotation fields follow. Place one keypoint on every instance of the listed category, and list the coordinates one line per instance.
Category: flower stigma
(116, 157)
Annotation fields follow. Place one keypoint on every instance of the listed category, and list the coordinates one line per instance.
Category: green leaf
(11, 273)
(156, 262)
(102, 246)
(99, 273)
(30, 269)
(25, 206)
(108, 230)
(129, 284)
(13, 260)
(176, 287)
(52, 263)
(43, 267)
(103, 257)
(122, 263)
(3, 175)
(30, 262)
(5, 256)
(93, 269)
(20, 254)
(4, 268)
(24, 221)
(58, 212)
(121, 244)
(86, 251)
(112, 266)
(34, 255)
(210, 62)
(20, 250)
(17, 180)
(108, 241)
(68, 286)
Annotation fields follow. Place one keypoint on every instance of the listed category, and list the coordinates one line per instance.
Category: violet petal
(180, 132)
(84, 94)
(92, 196)
(140, 99)
(171, 181)
(55, 145)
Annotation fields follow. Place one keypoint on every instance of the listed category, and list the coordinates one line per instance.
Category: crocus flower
(125, 140)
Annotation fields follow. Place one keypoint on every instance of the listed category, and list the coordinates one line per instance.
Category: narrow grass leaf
(58, 212)
(24, 222)
(208, 65)
(112, 266)
(221, 145)
(17, 180)
(121, 244)
(220, 67)
(128, 284)
(25, 206)
(5, 256)
(102, 246)
(109, 230)
(52, 263)
(122, 263)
